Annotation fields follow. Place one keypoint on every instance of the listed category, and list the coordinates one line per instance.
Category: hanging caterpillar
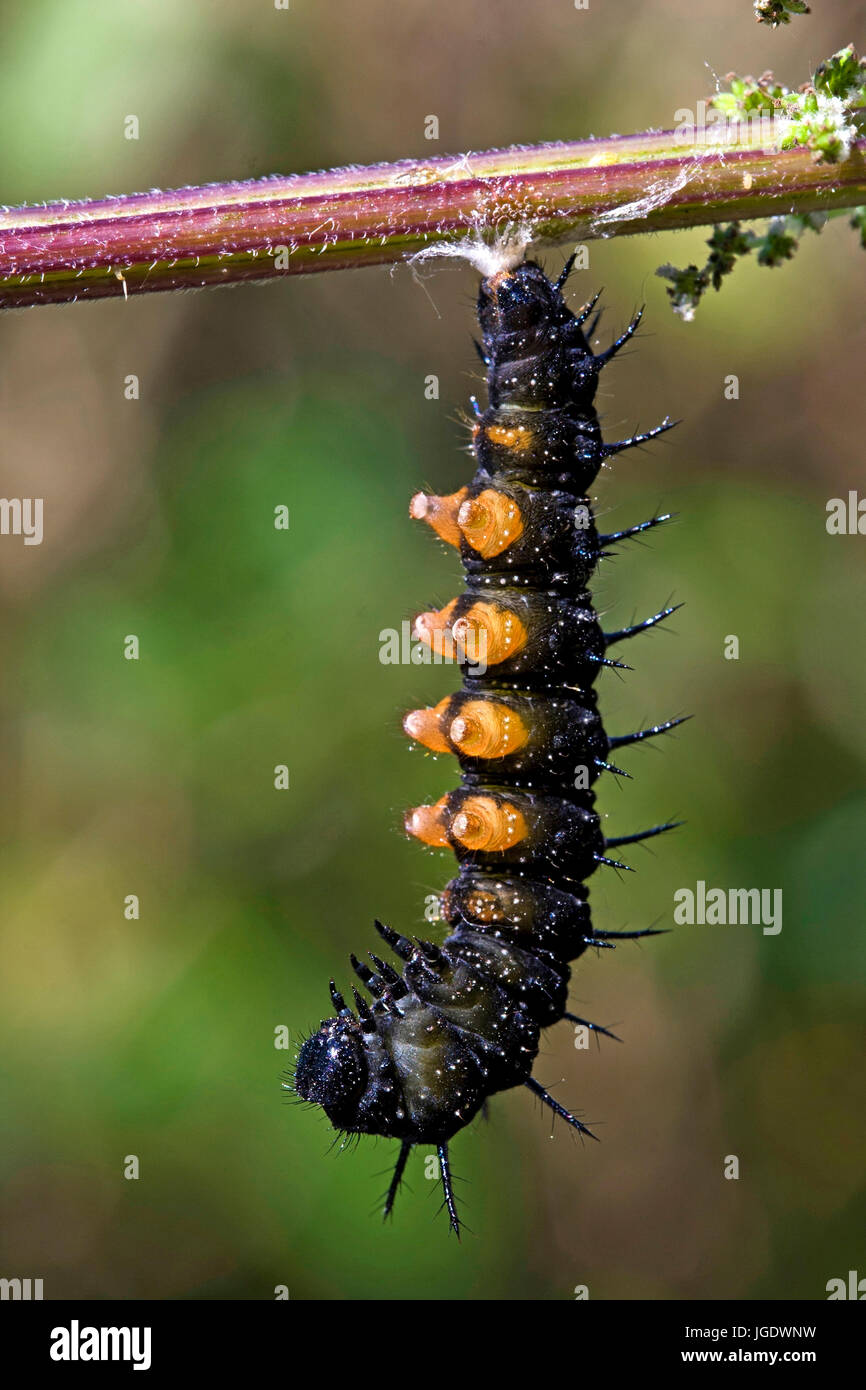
(463, 1020)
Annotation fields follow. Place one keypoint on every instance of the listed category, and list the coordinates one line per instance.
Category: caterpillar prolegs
(463, 1019)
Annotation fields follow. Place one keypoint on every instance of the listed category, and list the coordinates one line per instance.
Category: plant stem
(264, 228)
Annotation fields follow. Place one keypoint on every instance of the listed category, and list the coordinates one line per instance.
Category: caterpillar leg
(397, 1178)
(448, 1188)
(560, 1110)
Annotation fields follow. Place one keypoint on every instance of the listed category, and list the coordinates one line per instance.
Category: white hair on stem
(506, 250)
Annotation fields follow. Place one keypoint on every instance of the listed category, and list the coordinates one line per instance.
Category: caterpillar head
(332, 1071)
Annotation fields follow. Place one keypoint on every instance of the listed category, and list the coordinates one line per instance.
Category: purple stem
(264, 228)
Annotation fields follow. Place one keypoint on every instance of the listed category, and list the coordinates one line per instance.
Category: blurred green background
(156, 1037)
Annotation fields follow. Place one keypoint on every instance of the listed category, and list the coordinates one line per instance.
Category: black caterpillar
(463, 1020)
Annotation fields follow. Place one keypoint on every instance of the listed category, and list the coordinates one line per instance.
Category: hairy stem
(265, 228)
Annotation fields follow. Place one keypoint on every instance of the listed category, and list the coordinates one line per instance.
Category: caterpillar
(463, 1019)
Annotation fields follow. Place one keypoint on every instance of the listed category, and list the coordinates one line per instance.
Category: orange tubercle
(491, 522)
(516, 437)
(488, 825)
(440, 513)
(486, 729)
(429, 824)
(424, 726)
(434, 629)
(488, 634)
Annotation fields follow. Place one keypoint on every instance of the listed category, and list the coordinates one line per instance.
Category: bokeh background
(156, 1037)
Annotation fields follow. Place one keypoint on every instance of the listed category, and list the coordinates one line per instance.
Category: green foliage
(842, 76)
(749, 95)
(776, 12)
(727, 245)
(825, 116)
